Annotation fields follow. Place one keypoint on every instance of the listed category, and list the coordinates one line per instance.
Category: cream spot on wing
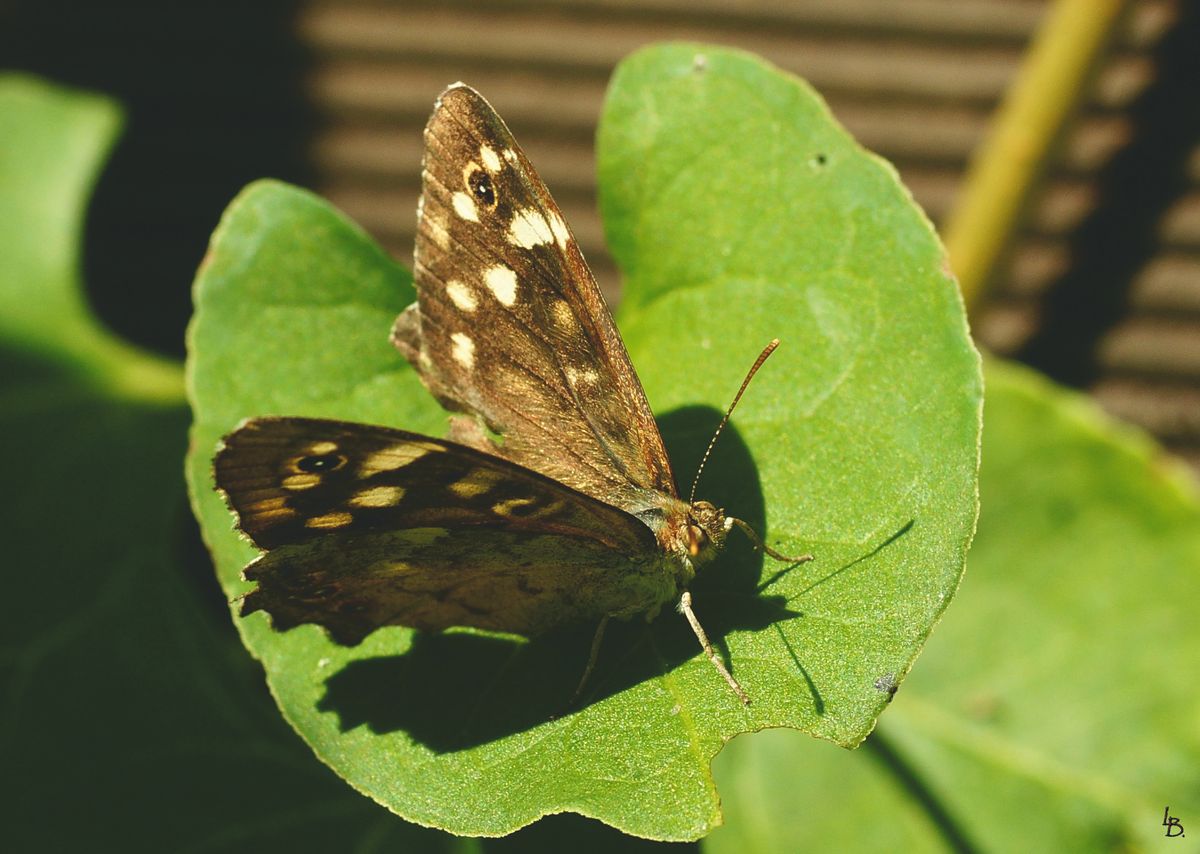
(378, 496)
(502, 282)
(529, 229)
(436, 229)
(463, 350)
(276, 506)
(576, 377)
(510, 156)
(395, 457)
(475, 482)
(329, 520)
(552, 509)
(301, 481)
(460, 295)
(317, 449)
(561, 234)
(509, 505)
(489, 157)
(564, 318)
(464, 206)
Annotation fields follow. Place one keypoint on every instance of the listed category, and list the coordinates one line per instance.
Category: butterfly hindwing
(368, 526)
(510, 326)
(354, 582)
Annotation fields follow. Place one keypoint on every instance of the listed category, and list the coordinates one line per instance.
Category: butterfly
(552, 502)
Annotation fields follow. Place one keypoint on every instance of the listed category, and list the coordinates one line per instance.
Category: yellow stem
(1050, 84)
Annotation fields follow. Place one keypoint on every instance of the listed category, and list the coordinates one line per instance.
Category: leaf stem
(1004, 169)
(112, 364)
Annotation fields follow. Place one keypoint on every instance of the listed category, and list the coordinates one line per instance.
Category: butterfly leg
(591, 662)
(685, 608)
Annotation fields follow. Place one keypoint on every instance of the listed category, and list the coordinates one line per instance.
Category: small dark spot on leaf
(887, 684)
(820, 160)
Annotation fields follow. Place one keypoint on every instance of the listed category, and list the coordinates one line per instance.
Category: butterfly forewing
(510, 325)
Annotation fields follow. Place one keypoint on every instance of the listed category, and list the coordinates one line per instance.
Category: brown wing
(366, 527)
(293, 480)
(354, 582)
(509, 324)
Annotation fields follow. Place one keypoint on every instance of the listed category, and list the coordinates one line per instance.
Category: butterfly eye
(480, 185)
(320, 463)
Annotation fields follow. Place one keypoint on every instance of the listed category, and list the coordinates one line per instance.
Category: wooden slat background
(915, 80)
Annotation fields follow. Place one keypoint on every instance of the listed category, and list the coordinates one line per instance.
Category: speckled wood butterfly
(570, 515)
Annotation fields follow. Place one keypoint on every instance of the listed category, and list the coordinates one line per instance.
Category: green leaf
(1055, 707)
(859, 441)
(52, 142)
(132, 719)
(740, 211)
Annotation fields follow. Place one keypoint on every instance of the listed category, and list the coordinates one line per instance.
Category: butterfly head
(706, 530)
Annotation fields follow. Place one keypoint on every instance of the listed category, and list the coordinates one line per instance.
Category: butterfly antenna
(762, 357)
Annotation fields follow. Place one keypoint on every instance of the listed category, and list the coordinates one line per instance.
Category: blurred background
(1101, 289)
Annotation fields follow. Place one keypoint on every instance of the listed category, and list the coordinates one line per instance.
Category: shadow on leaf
(459, 689)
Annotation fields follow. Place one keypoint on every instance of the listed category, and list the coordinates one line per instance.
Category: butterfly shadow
(459, 689)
